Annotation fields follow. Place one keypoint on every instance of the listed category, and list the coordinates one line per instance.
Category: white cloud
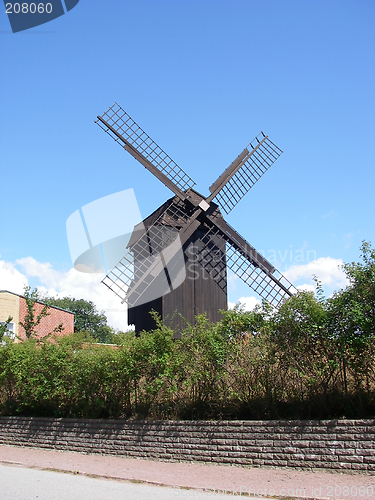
(327, 270)
(89, 287)
(306, 288)
(10, 278)
(249, 303)
(43, 271)
(63, 284)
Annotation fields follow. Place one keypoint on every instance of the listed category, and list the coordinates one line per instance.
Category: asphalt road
(18, 483)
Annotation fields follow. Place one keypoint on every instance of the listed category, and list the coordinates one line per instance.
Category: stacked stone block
(332, 445)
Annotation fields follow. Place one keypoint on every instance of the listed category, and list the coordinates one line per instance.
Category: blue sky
(202, 78)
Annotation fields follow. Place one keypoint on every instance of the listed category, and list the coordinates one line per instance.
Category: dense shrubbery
(314, 358)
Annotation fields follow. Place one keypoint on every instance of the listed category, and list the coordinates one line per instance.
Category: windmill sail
(246, 263)
(123, 129)
(244, 172)
(154, 263)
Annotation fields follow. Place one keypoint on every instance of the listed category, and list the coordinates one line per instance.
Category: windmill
(177, 258)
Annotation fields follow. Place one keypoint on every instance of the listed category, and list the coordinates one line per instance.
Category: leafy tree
(351, 318)
(4, 327)
(352, 310)
(32, 320)
(299, 319)
(237, 322)
(87, 318)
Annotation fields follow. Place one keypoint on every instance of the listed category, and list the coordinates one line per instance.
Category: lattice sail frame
(134, 135)
(273, 287)
(260, 159)
(151, 253)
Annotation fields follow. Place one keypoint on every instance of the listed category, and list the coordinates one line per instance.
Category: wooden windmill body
(202, 291)
(177, 259)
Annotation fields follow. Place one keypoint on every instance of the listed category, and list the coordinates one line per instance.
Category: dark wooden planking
(178, 307)
(140, 317)
(198, 294)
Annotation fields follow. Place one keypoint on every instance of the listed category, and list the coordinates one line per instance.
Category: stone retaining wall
(334, 444)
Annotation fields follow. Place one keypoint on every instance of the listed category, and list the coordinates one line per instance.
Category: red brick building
(14, 305)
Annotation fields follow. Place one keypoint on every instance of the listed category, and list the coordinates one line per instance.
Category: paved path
(214, 479)
(29, 484)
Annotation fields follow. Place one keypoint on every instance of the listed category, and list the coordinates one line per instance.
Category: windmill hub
(204, 205)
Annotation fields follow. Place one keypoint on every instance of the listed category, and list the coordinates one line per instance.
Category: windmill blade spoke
(272, 286)
(154, 262)
(123, 129)
(121, 277)
(140, 280)
(244, 172)
(233, 237)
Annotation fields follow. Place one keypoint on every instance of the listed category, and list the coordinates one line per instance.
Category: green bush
(312, 358)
